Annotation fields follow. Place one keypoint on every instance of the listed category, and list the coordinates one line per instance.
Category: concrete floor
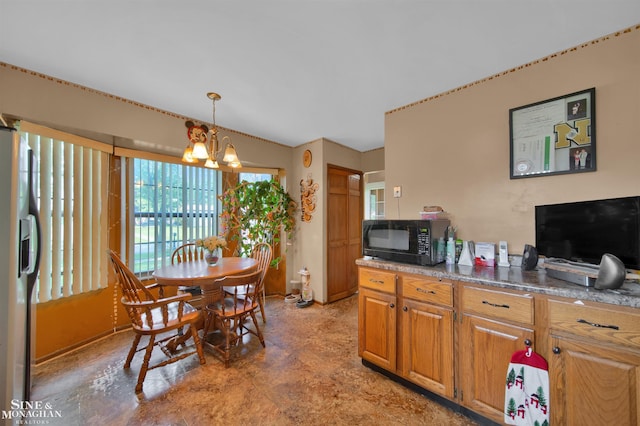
(309, 373)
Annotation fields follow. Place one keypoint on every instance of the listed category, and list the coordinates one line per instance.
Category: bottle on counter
(458, 249)
(451, 252)
(440, 250)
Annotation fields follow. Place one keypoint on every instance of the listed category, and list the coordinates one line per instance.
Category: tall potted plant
(254, 212)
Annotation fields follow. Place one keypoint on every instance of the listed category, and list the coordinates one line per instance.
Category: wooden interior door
(344, 230)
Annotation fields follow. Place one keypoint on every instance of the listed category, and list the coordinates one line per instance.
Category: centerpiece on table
(213, 248)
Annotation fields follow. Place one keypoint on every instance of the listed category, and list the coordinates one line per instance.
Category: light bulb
(187, 157)
(200, 151)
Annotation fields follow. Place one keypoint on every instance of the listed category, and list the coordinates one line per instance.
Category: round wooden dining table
(199, 272)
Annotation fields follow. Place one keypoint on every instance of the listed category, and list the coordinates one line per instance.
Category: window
(71, 192)
(172, 204)
(254, 177)
(374, 201)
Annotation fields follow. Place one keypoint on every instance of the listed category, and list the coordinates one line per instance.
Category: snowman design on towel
(526, 399)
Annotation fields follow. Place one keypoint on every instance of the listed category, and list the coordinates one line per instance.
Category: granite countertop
(515, 278)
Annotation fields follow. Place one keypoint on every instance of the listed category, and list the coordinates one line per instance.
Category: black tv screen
(584, 231)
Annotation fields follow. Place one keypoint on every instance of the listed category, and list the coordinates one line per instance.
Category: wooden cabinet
(377, 322)
(495, 324)
(377, 318)
(594, 366)
(460, 347)
(427, 348)
(408, 330)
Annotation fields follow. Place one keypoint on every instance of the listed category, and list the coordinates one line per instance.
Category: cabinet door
(377, 328)
(592, 384)
(427, 346)
(485, 352)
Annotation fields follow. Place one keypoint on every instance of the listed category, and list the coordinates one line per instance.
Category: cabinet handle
(404, 308)
(556, 350)
(421, 290)
(593, 324)
(495, 305)
(391, 305)
(376, 281)
(527, 343)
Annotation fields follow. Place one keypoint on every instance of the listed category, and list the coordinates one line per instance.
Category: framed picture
(555, 136)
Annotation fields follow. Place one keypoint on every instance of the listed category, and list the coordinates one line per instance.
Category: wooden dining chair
(155, 317)
(263, 253)
(189, 252)
(229, 309)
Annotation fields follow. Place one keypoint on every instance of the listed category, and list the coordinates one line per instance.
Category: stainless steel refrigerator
(19, 261)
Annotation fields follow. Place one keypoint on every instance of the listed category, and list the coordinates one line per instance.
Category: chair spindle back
(188, 252)
(132, 288)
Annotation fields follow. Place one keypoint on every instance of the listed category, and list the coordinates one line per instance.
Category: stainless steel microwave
(407, 241)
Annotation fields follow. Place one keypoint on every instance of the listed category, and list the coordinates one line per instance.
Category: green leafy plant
(254, 212)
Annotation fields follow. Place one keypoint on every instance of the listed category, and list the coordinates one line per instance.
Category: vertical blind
(71, 190)
(171, 204)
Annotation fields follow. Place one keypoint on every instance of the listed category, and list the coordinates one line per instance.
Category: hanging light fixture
(210, 153)
(187, 156)
(211, 162)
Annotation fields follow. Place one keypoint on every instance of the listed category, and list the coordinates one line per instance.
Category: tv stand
(584, 274)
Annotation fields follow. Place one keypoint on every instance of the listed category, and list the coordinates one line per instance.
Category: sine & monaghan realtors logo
(31, 412)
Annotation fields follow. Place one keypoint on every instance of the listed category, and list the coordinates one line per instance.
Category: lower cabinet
(460, 348)
(406, 327)
(377, 324)
(594, 364)
(593, 384)
(495, 324)
(486, 347)
(427, 345)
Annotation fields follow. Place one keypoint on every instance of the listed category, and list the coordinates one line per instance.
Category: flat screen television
(584, 231)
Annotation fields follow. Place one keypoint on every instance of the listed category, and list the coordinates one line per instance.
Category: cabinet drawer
(427, 289)
(595, 321)
(498, 304)
(377, 280)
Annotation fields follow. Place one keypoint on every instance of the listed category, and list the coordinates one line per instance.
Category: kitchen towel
(526, 399)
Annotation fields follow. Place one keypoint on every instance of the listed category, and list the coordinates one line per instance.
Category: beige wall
(373, 161)
(80, 110)
(453, 150)
(311, 237)
(308, 248)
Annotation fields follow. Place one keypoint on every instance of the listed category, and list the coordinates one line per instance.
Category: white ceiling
(293, 71)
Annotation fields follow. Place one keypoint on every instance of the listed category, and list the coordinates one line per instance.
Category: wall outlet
(397, 192)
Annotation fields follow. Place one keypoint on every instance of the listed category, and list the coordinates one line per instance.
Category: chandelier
(197, 148)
